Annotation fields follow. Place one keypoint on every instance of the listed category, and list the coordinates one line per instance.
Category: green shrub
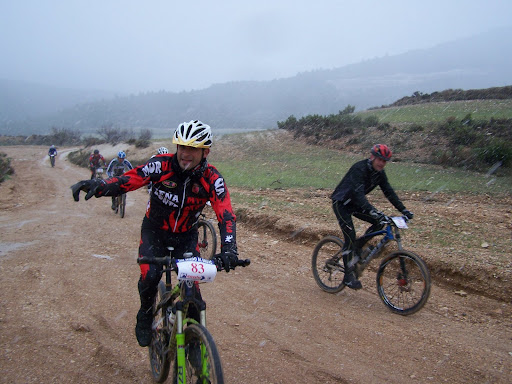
(5, 167)
(495, 151)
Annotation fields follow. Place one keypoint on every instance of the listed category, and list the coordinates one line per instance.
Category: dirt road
(68, 301)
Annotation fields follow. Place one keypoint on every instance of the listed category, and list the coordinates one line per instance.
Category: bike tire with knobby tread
(403, 294)
(328, 275)
(158, 349)
(196, 334)
(207, 239)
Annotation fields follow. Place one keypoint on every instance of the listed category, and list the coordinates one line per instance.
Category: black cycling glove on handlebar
(408, 214)
(92, 188)
(228, 260)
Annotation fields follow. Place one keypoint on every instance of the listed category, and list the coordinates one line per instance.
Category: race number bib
(399, 221)
(196, 269)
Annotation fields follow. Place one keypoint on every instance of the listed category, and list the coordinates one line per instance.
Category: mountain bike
(120, 204)
(207, 240)
(181, 344)
(52, 160)
(403, 279)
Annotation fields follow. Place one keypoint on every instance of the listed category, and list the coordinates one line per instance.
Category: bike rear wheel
(207, 240)
(202, 359)
(122, 204)
(159, 347)
(327, 264)
(403, 282)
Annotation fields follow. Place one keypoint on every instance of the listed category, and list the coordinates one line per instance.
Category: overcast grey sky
(138, 46)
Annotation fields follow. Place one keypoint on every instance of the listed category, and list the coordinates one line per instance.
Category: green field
(439, 112)
(264, 160)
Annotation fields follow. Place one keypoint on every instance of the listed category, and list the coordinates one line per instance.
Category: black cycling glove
(408, 214)
(92, 188)
(228, 260)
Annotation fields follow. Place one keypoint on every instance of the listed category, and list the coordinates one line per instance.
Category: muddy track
(68, 294)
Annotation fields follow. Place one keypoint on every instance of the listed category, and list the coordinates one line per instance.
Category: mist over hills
(478, 62)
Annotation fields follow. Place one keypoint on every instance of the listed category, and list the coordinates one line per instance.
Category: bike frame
(185, 291)
(391, 232)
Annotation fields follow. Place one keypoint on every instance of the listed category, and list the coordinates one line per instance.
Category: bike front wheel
(159, 347)
(202, 359)
(122, 204)
(327, 264)
(403, 282)
(207, 239)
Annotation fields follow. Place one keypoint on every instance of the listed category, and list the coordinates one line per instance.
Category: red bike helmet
(382, 151)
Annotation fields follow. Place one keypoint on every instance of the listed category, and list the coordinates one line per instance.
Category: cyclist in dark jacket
(52, 151)
(182, 185)
(349, 199)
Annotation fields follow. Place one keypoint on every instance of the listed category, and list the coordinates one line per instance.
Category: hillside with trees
(479, 62)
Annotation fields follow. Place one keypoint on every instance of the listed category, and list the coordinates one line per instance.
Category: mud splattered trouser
(153, 243)
(344, 213)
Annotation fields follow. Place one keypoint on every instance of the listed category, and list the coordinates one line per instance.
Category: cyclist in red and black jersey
(95, 161)
(183, 183)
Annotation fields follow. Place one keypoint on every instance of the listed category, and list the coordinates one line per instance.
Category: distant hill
(479, 62)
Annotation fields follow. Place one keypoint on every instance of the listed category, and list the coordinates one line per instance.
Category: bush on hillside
(5, 167)
(114, 135)
(144, 140)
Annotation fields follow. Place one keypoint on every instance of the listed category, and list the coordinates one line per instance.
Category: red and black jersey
(178, 197)
(95, 160)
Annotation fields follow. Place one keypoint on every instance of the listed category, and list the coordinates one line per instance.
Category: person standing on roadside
(183, 183)
(349, 199)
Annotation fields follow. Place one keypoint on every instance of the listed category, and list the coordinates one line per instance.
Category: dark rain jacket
(360, 180)
(178, 197)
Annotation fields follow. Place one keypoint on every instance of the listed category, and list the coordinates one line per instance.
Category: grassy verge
(269, 160)
(439, 112)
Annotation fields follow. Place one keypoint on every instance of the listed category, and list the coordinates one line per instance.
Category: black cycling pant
(153, 243)
(344, 213)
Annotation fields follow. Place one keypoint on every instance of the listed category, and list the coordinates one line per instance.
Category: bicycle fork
(180, 344)
(181, 307)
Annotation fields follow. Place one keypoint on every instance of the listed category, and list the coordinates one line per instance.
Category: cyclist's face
(190, 157)
(120, 159)
(378, 163)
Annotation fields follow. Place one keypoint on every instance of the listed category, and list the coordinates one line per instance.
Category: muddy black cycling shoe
(143, 328)
(350, 280)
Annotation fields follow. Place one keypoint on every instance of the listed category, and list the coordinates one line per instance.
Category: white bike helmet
(193, 134)
(162, 150)
(121, 154)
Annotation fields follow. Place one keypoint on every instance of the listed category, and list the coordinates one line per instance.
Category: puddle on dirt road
(5, 248)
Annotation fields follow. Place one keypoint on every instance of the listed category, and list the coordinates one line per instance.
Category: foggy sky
(137, 46)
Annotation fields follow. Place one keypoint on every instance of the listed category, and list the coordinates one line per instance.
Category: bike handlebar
(171, 262)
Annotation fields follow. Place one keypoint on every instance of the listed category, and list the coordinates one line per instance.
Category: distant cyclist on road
(183, 183)
(349, 199)
(117, 167)
(52, 152)
(94, 162)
